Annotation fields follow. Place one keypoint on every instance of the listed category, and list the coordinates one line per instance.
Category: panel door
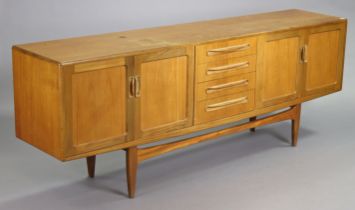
(163, 100)
(279, 67)
(95, 108)
(324, 59)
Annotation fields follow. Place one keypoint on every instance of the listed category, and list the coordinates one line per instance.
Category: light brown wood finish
(74, 50)
(225, 86)
(279, 68)
(166, 90)
(224, 106)
(160, 80)
(99, 105)
(325, 56)
(90, 162)
(122, 90)
(37, 98)
(220, 69)
(223, 50)
(292, 114)
(131, 170)
(199, 127)
(97, 65)
(296, 124)
(85, 96)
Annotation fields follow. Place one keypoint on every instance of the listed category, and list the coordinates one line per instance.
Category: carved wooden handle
(304, 54)
(134, 86)
(224, 104)
(131, 82)
(229, 49)
(226, 85)
(227, 67)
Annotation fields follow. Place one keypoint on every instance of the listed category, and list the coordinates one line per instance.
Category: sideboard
(80, 97)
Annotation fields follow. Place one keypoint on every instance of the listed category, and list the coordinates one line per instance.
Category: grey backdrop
(254, 171)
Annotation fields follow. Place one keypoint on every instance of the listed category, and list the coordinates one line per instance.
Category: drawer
(225, 86)
(225, 106)
(206, 53)
(225, 68)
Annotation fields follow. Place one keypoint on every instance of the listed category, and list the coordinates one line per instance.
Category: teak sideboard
(80, 97)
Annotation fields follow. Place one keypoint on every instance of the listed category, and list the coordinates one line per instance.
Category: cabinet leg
(296, 124)
(251, 120)
(131, 170)
(90, 161)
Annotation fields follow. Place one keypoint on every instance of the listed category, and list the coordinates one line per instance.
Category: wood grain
(96, 65)
(198, 127)
(325, 59)
(204, 115)
(131, 170)
(279, 69)
(276, 38)
(292, 114)
(203, 74)
(89, 48)
(37, 95)
(225, 86)
(166, 97)
(296, 124)
(216, 51)
(163, 92)
(99, 105)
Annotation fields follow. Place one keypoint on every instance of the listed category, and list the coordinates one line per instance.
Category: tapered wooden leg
(296, 124)
(251, 120)
(90, 161)
(131, 170)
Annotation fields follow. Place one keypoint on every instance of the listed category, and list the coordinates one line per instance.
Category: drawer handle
(219, 69)
(230, 49)
(224, 104)
(227, 85)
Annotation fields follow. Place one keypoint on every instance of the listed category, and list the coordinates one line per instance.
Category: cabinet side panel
(37, 102)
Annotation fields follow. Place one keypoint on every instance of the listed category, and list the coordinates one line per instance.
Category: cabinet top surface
(81, 49)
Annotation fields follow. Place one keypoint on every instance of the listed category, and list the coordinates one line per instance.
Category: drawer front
(225, 106)
(225, 68)
(206, 53)
(225, 86)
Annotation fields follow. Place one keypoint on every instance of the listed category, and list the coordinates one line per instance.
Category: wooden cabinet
(300, 63)
(82, 97)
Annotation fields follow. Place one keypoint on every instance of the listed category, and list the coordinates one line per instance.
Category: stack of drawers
(225, 79)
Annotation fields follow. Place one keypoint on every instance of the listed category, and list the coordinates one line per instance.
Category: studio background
(245, 171)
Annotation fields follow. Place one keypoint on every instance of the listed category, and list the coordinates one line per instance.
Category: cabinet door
(96, 107)
(324, 59)
(164, 99)
(279, 67)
